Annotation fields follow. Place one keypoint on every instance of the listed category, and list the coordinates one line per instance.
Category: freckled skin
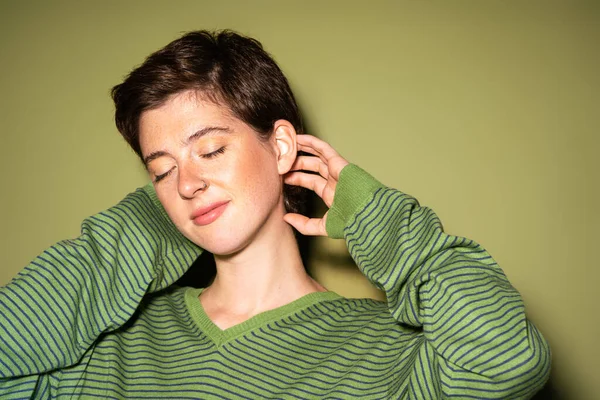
(246, 174)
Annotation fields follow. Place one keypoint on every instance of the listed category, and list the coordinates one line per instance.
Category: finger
(316, 183)
(313, 145)
(334, 166)
(306, 226)
(311, 150)
(314, 152)
(335, 163)
(308, 163)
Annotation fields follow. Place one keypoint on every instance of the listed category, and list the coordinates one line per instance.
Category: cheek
(261, 174)
(250, 178)
(255, 177)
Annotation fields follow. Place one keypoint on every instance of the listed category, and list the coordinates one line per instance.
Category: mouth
(209, 214)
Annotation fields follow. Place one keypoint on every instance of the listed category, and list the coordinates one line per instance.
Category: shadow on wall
(549, 392)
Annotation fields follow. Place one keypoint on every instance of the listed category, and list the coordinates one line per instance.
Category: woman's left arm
(479, 343)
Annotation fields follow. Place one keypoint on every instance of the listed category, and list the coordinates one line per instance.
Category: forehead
(181, 112)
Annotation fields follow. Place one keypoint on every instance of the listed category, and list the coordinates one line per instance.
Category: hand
(327, 164)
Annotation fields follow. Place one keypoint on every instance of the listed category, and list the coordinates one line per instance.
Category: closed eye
(221, 150)
(214, 153)
(158, 178)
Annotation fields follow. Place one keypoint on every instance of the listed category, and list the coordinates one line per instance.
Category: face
(219, 183)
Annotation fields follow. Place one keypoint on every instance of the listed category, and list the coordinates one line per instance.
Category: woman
(215, 123)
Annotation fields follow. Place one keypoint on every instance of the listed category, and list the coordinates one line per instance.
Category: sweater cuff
(354, 189)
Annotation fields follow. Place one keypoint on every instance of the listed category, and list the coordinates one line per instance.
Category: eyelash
(160, 177)
(214, 153)
(208, 156)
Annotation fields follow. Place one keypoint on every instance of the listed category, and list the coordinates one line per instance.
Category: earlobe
(286, 147)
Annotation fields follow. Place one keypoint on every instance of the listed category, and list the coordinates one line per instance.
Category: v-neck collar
(220, 337)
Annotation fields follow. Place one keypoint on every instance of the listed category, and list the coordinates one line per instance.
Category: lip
(207, 215)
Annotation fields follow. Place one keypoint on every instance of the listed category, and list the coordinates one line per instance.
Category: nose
(191, 183)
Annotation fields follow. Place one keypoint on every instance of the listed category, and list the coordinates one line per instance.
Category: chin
(219, 240)
(223, 247)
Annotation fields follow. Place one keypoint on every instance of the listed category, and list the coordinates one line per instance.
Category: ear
(286, 148)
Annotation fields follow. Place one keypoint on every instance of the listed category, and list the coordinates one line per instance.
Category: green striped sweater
(98, 316)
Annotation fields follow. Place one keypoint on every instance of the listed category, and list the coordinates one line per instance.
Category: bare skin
(225, 314)
(259, 267)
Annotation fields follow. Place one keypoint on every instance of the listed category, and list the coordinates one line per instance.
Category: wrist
(354, 189)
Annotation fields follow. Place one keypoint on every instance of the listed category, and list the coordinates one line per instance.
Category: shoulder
(361, 320)
(163, 308)
(358, 312)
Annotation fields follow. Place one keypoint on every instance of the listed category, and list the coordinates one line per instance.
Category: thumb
(306, 226)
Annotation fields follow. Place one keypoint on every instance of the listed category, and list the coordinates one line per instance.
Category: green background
(485, 111)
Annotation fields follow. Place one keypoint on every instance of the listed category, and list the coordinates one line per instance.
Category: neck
(267, 274)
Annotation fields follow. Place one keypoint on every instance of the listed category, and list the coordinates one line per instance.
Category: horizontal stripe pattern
(91, 318)
(56, 307)
(332, 349)
(478, 341)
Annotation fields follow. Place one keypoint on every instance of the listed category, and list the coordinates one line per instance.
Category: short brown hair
(226, 67)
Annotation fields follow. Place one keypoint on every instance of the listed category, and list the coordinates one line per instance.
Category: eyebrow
(186, 142)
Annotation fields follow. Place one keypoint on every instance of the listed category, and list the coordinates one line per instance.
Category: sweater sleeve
(478, 341)
(59, 304)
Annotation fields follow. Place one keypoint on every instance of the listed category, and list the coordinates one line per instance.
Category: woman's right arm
(58, 305)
